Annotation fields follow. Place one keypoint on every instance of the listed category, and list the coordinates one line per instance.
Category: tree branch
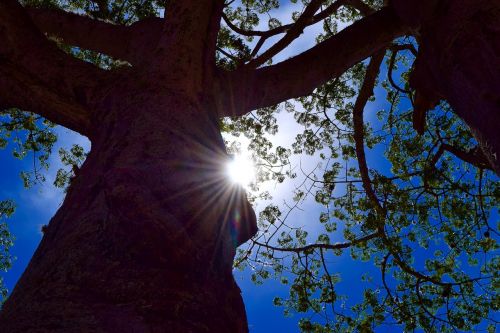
(131, 43)
(22, 90)
(336, 246)
(364, 9)
(41, 73)
(248, 89)
(364, 94)
(390, 69)
(474, 156)
(292, 32)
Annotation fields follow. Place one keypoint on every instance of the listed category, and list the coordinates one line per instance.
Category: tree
(147, 234)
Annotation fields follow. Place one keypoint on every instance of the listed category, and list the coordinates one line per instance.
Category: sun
(241, 170)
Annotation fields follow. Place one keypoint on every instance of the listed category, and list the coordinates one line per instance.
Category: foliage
(73, 159)
(428, 235)
(437, 263)
(6, 241)
(30, 135)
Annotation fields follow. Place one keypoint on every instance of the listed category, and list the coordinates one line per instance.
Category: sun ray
(241, 170)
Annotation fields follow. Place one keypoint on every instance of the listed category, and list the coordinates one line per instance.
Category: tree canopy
(397, 182)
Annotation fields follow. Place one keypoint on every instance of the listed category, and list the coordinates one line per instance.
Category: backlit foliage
(428, 240)
(6, 241)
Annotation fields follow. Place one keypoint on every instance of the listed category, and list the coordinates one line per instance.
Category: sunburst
(241, 170)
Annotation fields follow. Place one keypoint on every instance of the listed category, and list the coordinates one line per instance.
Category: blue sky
(36, 206)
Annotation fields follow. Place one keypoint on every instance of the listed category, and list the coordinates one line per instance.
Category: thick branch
(246, 90)
(458, 60)
(475, 156)
(364, 94)
(22, 90)
(131, 43)
(47, 73)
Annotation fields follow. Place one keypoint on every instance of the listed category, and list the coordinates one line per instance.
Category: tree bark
(246, 90)
(459, 61)
(145, 239)
(132, 43)
(37, 76)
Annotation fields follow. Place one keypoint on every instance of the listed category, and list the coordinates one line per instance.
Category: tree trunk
(146, 236)
(459, 60)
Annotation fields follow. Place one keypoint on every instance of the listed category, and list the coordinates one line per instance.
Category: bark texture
(145, 239)
(132, 43)
(146, 236)
(246, 90)
(459, 61)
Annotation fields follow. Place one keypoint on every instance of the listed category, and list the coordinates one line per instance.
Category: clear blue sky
(36, 206)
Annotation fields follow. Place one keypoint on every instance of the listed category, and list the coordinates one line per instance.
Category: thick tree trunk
(145, 239)
(459, 61)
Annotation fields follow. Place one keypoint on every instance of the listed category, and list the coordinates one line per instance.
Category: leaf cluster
(7, 208)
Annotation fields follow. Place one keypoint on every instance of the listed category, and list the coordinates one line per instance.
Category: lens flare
(241, 170)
